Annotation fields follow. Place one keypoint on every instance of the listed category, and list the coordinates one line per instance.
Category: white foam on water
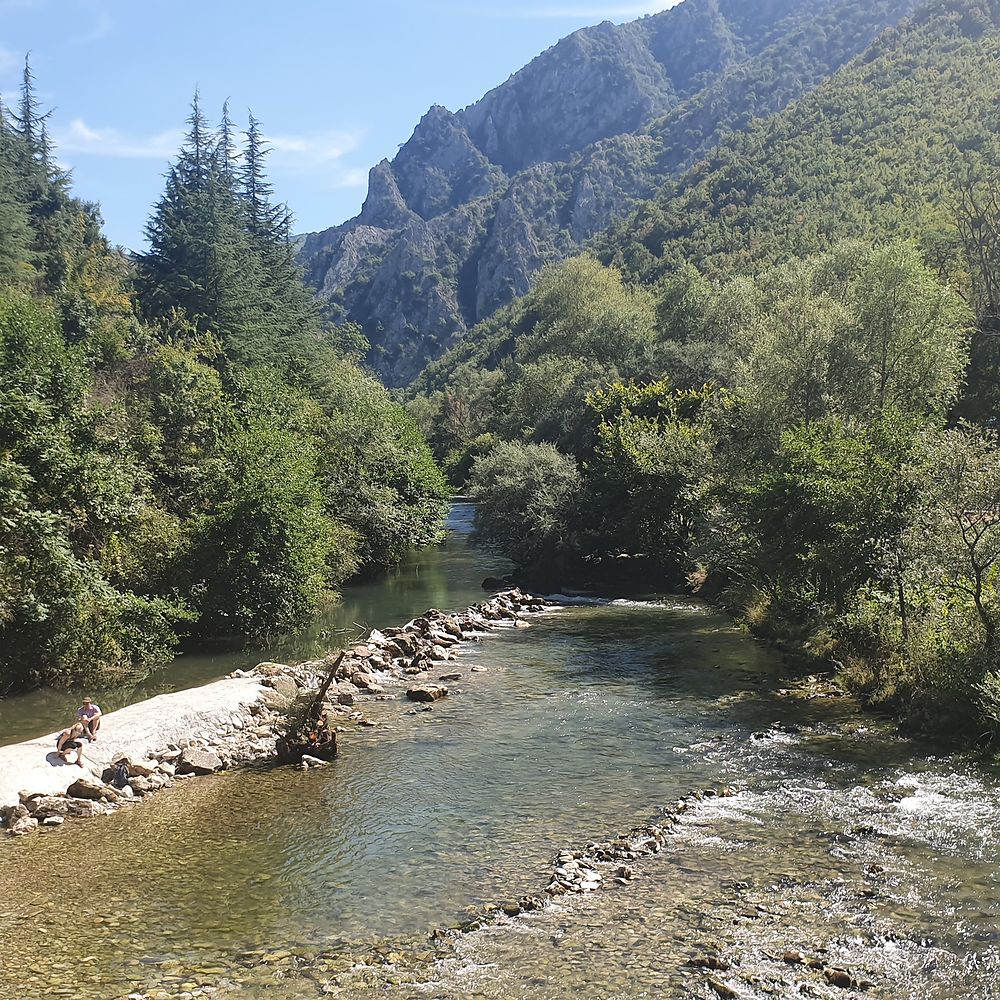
(579, 600)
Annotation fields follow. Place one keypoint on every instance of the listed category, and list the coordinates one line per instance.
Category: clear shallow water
(275, 883)
(449, 575)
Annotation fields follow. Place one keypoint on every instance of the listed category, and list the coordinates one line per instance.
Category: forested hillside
(185, 447)
(764, 387)
(477, 202)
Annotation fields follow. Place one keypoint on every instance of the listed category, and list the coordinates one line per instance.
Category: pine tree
(15, 231)
(201, 260)
(60, 225)
(293, 317)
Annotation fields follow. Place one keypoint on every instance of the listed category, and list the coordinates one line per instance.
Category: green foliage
(873, 150)
(215, 470)
(781, 432)
(649, 468)
(66, 491)
(528, 496)
(258, 561)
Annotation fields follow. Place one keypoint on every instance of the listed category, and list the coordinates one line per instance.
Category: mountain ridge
(477, 201)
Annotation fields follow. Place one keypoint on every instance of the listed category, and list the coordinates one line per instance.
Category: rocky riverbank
(237, 721)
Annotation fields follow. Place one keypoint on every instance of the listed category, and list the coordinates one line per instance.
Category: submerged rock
(426, 692)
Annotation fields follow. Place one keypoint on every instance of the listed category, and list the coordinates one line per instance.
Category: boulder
(195, 761)
(270, 669)
(368, 683)
(426, 692)
(85, 808)
(11, 814)
(311, 761)
(23, 825)
(46, 806)
(272, 699)
(140, 785)
(87, 787)
(285, 686)
(137, 768)
(53, 821)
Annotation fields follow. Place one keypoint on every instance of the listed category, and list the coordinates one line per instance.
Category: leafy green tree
(650, 468)
(258, 562)
(528, 496)
(67, 491)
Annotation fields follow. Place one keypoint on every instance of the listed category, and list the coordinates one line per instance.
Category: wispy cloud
(312, 150)
(308, 153)
(351, 177)
(80, 137)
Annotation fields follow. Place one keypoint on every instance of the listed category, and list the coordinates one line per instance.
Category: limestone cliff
(476, 202)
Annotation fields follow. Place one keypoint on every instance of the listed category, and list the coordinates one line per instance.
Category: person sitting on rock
(69, 740)
(89, 715)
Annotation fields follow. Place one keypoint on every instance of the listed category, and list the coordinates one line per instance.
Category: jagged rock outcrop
(476, 202)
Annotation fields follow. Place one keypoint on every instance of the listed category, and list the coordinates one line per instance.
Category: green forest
(777, 383)
(187, 447)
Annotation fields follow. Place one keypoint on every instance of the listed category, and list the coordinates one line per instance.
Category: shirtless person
(89, 715)
(69, 740)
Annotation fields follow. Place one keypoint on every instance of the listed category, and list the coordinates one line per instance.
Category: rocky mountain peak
(385, 207)
(440, 167)
(477, 201)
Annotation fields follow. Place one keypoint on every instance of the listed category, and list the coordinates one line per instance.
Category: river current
(843, 842)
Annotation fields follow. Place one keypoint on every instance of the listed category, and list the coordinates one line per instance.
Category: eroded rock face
(476, 202)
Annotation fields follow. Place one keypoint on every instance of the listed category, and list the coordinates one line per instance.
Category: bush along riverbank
(240, 720)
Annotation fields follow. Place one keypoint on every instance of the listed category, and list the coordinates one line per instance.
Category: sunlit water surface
(843, 841)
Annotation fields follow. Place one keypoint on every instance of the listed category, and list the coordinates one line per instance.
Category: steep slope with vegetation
(475, 203)
(184, 447)
(770, 395)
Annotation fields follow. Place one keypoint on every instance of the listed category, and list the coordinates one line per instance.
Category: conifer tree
(293, 316)
(200, 259)
(15, 232)
(59, 224)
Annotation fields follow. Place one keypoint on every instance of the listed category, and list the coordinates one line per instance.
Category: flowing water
(843, 841)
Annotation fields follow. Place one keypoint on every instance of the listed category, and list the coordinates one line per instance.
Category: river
(843, 841)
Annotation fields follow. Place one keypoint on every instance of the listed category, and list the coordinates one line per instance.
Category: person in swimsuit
(69, 740)
(89, 715)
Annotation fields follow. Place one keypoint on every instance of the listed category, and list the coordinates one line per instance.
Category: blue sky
(337, 84)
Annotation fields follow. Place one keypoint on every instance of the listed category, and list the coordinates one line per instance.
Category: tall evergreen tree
(293, 316)
(200, 260)
(59, 224)
(15, 231)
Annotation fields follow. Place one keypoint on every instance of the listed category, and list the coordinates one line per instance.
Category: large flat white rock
(138, 730)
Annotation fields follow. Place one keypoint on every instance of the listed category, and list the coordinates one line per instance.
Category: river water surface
(843, 841)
